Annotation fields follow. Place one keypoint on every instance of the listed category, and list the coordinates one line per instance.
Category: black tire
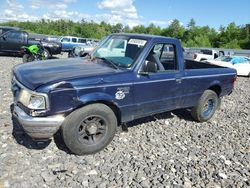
(46, 53)
(71, 53)
(206, 107)
(89, 129)
(28, 58)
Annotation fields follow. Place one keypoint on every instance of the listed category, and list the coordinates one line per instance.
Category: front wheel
(206, 106)
(89, 129)
(28, 58)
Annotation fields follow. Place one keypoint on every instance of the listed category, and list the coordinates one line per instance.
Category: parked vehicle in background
(12, 41)
(191, 53)
(81, 51)
(205, 54)
(51, 39)
(33, 53)
(240, 63)
(126, 77)
(69, 42)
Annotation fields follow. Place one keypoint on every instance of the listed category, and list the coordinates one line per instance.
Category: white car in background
(240, 63)
(205, 54)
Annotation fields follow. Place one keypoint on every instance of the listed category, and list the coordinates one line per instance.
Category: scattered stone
(222, 175)
(91, 172)
(145, 183)
(187, 184)
(54, 166)
(6, 184)
(74, 172)
(48, 177)
(85, 183)
(228, 162)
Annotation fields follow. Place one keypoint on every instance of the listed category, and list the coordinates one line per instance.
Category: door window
(74, 40)
(118, 44)
(14, 36)
(168, 58)
(65, 40)
(164, 56)
(82, 41)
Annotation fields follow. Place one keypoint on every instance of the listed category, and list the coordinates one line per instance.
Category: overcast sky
(130, 12)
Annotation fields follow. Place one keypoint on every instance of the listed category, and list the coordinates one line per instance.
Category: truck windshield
(207, 52)
(224, 58)
(120, 50)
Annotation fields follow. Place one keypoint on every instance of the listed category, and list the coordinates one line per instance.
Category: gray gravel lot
(166, 150)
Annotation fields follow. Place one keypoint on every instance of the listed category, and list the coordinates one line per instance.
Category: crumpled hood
(35, 74)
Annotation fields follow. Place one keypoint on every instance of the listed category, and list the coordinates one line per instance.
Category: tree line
(231, 36)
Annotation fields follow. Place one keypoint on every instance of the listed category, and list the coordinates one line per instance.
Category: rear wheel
(71, 53)
(28, 58)
(89, 129)
(46, 53)
(206, 106)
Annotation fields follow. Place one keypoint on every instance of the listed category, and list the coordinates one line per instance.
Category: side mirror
(150, 67)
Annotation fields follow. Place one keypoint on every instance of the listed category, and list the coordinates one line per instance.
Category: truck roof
(8, 27)
(145, 36)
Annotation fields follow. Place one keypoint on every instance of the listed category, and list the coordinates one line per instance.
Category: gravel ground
(166, 150)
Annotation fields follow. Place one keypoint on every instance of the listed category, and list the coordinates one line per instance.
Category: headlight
(34, 101)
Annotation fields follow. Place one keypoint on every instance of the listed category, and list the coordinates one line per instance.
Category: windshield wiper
(109, 61)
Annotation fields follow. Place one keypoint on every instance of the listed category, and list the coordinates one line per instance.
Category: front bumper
(38, 127)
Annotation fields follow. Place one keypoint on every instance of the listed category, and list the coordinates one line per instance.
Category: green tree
(153, 29)
(230, 36)
(191, 24)
(175, 29)
(139, 29)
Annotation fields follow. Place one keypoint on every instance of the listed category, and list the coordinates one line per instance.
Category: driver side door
(159, 91)
(12, 41)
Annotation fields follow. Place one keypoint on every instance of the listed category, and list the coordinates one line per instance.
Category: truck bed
(190, 64)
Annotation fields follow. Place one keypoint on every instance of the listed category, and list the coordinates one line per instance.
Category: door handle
(178, 80)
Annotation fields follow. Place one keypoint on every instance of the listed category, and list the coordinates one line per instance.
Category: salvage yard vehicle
(205, 54)
(13, 40)
(87, 98)
(240, 63)
(81, 51)
(69, 42)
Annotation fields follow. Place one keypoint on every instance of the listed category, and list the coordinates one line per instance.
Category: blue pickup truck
(128, 76)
